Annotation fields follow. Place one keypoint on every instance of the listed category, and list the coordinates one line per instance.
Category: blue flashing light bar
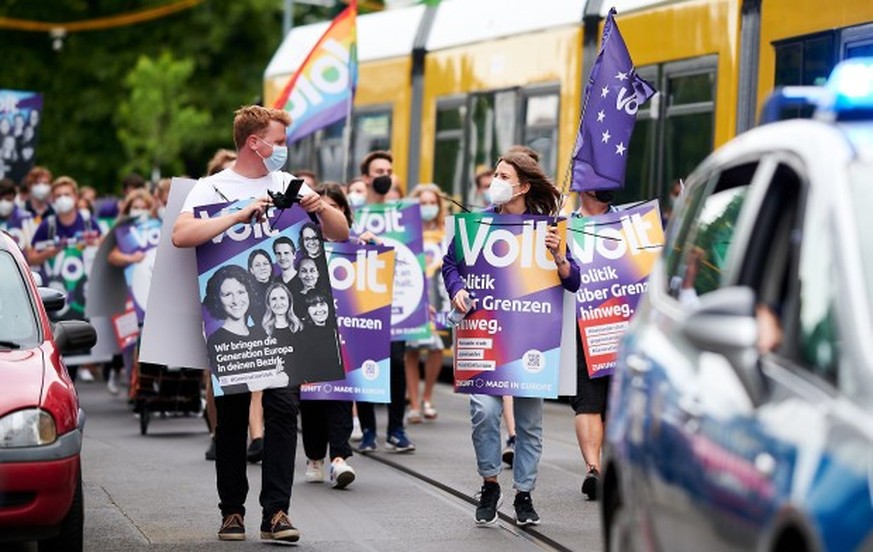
(849, 90)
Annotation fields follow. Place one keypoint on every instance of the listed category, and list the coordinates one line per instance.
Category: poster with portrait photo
(266, 302)
(20, 116)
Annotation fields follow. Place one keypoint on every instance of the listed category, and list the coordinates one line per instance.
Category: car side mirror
(724, 323)
(53, 300)
(74, 336)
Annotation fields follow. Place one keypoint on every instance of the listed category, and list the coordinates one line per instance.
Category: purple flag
(612, 97)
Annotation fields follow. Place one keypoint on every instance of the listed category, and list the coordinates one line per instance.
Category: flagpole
(347, 139)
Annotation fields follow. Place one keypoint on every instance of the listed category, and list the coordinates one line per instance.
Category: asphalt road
(156, 492)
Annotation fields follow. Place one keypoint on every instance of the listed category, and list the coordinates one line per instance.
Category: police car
(741, 413)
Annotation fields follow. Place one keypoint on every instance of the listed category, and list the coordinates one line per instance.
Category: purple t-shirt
(19, 224)
(75, 232)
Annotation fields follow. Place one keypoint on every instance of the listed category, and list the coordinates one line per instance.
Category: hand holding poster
(398, 225)
(362, 278)
(267, 326)
(617, 252)
(139, 236)
(510, 343)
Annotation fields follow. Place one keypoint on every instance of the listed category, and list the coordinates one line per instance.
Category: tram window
(674, 131)
(449, 148)
(492, 129)
(687, 141)
(330, 152)
(689, 89)
(372, 131)
(640, 163)
(861, 50)
(804, 61)
(541, 129)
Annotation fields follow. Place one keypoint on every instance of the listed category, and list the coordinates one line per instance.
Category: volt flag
(322, 90)
(612, 98)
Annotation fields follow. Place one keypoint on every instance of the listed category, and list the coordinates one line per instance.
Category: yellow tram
(447, 88)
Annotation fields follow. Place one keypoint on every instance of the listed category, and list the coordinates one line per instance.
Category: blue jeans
(486, 412)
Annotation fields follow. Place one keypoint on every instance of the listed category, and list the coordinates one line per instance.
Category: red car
(40, 420)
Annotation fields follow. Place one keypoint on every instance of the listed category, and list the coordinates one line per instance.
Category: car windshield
(17, 321)
(861, 176)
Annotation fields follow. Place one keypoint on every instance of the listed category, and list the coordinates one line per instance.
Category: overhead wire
(100, 23)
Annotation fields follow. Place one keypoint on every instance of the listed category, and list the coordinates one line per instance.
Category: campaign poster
(616, 252)
(362, 278)
(398, 225)
(20, 116)
(68, 272)
(267, 307)
(20, 225)
(438, 297)
(510, 344)
(140, 235)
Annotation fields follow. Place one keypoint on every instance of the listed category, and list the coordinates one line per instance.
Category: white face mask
(139, 213)
(40, 191)
(500, 191)
(64, 205)
(357, 200)
(6, 207)
(161, 211)
(429, 212)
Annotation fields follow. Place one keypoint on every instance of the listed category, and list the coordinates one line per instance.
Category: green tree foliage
(155, 122)
(229, 43)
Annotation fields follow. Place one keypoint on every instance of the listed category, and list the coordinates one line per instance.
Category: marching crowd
(46, 214)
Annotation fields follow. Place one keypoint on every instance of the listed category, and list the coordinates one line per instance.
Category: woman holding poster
(518, 187)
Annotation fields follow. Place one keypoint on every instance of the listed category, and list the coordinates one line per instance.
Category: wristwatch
(560, 260)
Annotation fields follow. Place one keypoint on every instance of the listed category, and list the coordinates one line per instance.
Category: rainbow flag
(322, 90)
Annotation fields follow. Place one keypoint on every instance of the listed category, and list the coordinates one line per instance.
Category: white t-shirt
(228, 185)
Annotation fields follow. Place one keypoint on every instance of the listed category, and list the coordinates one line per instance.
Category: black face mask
(381, 184)
(604, 196)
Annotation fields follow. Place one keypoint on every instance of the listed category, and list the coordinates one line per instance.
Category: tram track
(507, 522)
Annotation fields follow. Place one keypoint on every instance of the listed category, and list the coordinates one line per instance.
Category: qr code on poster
(533, 361)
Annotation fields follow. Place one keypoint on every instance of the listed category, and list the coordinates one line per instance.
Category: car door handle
(637, 364)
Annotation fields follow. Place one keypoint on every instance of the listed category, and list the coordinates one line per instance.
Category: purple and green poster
(362, 278)
(20, 116)
(510, 343)
(140, 235)
(616, 252)
(398, 225)
(68, 271)
(268, 310)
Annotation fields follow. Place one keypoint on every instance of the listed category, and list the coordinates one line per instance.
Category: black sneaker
(210, 452)
(256, 450)
(232, 528)
(524, 510)
(589, 486)
(279, 528)
(490, 499)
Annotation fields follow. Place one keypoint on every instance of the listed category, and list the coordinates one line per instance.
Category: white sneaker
(112, 385)
(85, 375)
(357, 434)
(341, 474)
(315, 471)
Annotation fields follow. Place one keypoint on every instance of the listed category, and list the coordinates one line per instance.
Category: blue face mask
(429, 212)
(277, 159)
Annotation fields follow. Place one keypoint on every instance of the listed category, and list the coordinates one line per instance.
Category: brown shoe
(232, 528)
(279, 528)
